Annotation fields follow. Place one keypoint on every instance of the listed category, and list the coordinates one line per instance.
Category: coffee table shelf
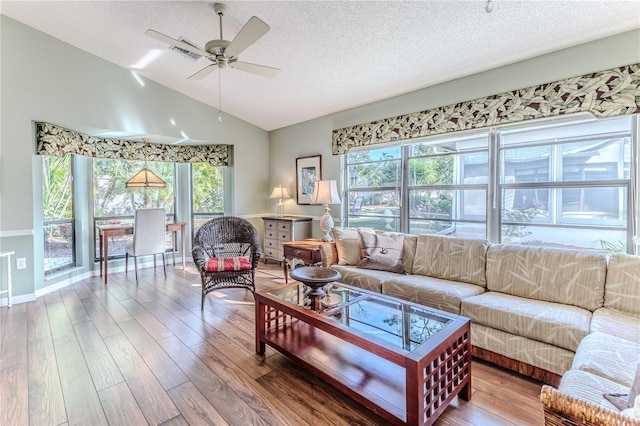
(403, 385)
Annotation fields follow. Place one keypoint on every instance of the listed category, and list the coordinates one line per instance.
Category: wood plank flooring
(127, 354)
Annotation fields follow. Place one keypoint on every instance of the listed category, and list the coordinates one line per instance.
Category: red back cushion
(219, 264)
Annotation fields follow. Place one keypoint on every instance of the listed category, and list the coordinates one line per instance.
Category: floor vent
(193, 56)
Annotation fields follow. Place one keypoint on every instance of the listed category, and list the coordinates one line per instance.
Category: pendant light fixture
(145, 178)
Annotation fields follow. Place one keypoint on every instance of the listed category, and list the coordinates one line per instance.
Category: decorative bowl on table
(315, 277)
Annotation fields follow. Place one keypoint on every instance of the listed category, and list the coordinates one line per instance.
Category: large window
(113, 203)
(207, 196)
(566, 183)
(57, 209)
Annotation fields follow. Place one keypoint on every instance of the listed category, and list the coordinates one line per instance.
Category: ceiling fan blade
(249, 34)
(166, 39)
(203, 72)
(255, 69)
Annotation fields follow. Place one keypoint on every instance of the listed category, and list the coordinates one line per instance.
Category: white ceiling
(333, 55)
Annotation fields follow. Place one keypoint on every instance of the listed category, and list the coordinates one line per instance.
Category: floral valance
(58, 141)
(608, 93)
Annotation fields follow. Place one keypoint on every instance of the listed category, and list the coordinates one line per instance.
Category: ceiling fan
(223, 53)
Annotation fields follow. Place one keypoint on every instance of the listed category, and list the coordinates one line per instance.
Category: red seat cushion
(219, 264)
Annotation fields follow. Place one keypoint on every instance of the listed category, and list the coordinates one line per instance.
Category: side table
(304, 251)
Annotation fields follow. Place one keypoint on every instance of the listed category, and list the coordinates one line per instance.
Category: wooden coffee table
(404, 361)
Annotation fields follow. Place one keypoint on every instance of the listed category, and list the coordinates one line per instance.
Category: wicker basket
(565, 410)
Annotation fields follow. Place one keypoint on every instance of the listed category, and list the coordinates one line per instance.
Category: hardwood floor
(127, 354)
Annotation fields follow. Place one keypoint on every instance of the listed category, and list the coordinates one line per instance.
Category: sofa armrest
(328, 254)
(562, 409)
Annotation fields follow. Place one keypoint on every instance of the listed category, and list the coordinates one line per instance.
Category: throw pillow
(381, 252)
(220, 264)
(348, 244)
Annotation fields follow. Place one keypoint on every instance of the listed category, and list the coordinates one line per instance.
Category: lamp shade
(325, 192)
(145, 178)
(279, 192)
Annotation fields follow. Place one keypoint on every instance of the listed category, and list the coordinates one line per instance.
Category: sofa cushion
(451, 258)
(549, 274)
(590, 387)
(348, 244)
(560, 325)
(368, 279)
(382, 252)
(608, 356)
(538, 354)
(616, 323)
(434, 292)
(622, 287)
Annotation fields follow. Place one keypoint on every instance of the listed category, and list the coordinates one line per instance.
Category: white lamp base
(326, 224)
(280, 209)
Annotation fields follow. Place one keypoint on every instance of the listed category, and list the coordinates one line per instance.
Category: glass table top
(400, 324)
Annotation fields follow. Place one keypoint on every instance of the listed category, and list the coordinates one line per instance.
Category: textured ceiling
(333, 55)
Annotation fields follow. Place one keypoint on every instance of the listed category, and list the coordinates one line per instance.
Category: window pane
(448, 204)
(431, 171)
(594, 206)
(375, 175)
(526, 165)
(111, 198)
(453, 166)
(525, 205)
(599, 160)
(606, 240)
(376, 154)
(375, 209)
(208, 193)
(57, 209)
(453, 229)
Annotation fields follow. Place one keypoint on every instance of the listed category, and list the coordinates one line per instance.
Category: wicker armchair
(564, 410)
(226, 252)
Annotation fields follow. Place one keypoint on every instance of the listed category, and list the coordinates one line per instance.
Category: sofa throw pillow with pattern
(381, 252)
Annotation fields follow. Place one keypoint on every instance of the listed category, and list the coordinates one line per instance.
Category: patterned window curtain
(57, 141)
(608, 93)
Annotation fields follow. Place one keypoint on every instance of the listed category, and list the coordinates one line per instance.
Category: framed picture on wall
(308, 170)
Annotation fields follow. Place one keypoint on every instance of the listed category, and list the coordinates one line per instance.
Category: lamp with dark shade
(279, 192)
(326, 192)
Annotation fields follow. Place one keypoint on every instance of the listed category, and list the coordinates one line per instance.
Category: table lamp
(325, 192)
(279, 192)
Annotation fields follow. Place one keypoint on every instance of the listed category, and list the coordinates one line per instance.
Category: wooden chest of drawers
(278, 230)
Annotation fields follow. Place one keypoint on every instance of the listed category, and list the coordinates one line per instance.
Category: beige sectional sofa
(559, 316)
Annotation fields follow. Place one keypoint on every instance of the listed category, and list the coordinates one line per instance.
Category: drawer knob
(297, 252)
